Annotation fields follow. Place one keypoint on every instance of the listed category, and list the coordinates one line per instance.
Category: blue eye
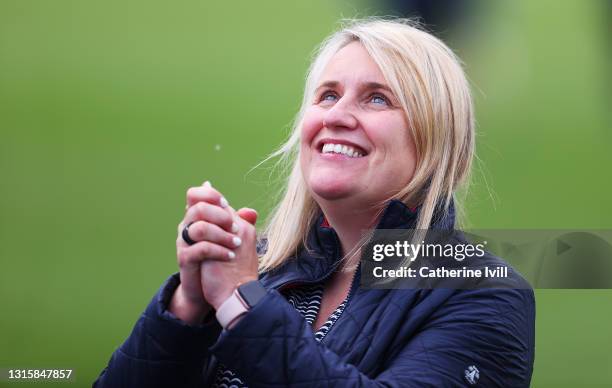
(328, 97)
(378, 99)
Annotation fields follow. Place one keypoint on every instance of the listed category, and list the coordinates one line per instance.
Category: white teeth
(341, 149)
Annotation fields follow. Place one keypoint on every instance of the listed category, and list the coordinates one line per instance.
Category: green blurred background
(110, 110)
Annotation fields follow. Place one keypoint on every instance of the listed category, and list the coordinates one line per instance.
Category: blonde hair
(428, 81)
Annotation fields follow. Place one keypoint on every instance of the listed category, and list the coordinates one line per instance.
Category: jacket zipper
(327, 275)
(352, 289)
(324, 277)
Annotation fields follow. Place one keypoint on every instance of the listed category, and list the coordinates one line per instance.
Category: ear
(248, 214)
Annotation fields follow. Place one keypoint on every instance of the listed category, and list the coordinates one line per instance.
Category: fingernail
(237, 241)
(223, 202)
(231, 255)
(207, 184)
(235, 228)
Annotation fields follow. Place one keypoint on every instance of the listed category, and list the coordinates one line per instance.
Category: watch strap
(231, 309)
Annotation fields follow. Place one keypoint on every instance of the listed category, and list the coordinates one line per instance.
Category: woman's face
(355, 141)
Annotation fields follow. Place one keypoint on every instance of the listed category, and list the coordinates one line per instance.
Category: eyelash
(385, 99)
(325, 94)
(379, 95)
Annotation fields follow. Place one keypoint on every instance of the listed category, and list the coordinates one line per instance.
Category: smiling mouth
(342, 149)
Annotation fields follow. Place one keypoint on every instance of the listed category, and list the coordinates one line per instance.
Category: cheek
(399, 157)
(311, 125)
(406, 157)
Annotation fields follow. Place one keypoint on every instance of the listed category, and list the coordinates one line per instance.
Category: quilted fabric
(384, 338)
(307, 301)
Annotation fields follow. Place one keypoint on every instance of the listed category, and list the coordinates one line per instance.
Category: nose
(340, 116)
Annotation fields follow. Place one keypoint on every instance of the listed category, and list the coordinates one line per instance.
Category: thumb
(248, 214)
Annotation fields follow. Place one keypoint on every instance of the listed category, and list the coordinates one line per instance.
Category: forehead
(352, 62)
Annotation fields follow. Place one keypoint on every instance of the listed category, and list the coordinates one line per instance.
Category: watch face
(252, 292)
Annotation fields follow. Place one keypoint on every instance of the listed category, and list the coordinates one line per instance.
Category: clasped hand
(223, 256)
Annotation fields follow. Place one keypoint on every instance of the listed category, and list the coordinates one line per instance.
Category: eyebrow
(366, 85)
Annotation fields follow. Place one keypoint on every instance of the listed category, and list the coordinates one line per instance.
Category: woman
(384, 137)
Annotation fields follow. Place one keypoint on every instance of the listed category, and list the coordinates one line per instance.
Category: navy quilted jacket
(384, 338)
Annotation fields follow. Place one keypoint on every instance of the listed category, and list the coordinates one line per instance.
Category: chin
(331, 189)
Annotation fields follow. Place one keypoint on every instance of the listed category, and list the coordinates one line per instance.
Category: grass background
(110, 110)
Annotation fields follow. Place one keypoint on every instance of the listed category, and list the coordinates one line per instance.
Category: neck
(350, 224)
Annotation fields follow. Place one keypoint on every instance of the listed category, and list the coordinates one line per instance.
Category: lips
(342, 147)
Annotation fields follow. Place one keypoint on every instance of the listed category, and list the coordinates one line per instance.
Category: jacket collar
(317, 261)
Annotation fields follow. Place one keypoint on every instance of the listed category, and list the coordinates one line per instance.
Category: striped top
(307, 301)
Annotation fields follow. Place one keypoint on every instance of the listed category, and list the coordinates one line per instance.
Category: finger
(204, 211)
(205, 231)
(191, 257)
(248, 214)
(205, 193)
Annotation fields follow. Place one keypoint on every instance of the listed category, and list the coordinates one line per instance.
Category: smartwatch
(240, 302)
